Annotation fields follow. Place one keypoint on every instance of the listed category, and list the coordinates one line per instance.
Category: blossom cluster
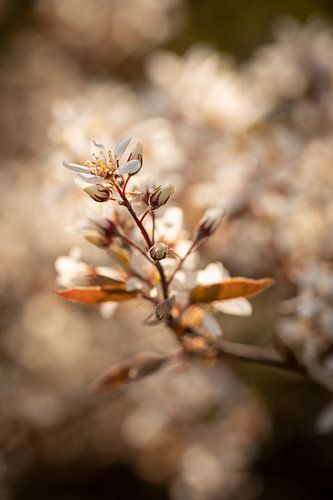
(154, 259)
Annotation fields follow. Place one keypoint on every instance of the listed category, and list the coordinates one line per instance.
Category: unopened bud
(134, 162)
(97, 239)
(136, 153)
(159, 251)
(209, 223)
(97, 192)
(102, 232)
(160, 196)
(110, 228)
(146, 187)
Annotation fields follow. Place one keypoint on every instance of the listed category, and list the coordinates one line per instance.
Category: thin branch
(136, 219)
(181, 261)
(257, 355)
(125, 184)
(132, 243)
(147, 239)
(164, 283)
(153, 226)
(144, 215)
(149, 298)
(222, 348)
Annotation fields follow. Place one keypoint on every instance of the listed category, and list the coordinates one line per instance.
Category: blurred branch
(259, 355)
(195, 344)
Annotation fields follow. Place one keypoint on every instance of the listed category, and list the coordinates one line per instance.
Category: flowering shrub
(255, 134)
(154, 259)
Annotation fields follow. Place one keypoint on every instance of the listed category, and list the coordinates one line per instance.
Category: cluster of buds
(142, 270)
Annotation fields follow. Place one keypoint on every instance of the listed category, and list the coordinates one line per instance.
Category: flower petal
(237, 307)
(107, 309)
(81, 179)
(120, 147)
(133, 284)
(131, 167)
(211, 325)
(76, 168)
(213, 273)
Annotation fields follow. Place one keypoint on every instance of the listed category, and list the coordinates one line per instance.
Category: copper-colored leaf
(97, 294)
(129, 371)
(229, 288)
(95, 279)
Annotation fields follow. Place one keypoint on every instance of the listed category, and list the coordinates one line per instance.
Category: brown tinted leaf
(95, 279)
(97, 294)
(229, 288)
(129, 371)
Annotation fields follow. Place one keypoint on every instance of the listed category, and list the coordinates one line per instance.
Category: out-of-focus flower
(111, 34)
(204, 87)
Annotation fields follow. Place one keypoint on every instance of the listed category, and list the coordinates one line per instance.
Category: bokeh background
(233, 102)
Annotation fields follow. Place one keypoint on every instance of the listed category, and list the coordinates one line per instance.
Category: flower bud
(134, 162)
(209, 223)
(136, 153)
(146, 187)
(100, 231)
(97, 192)
(96, 238)
(159, 251)
(160, 196)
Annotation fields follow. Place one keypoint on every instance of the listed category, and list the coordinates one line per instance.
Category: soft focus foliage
(253, 136)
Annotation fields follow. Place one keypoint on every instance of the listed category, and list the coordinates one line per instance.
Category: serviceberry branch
(185, 309)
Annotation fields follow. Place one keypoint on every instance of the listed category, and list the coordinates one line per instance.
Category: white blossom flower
(105, 164)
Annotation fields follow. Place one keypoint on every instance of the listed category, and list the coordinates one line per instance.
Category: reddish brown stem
(257, 355)
(146, 237)
(181, 261)
(153, 228)
(144, 215)
(132, 243)
(125, 185)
